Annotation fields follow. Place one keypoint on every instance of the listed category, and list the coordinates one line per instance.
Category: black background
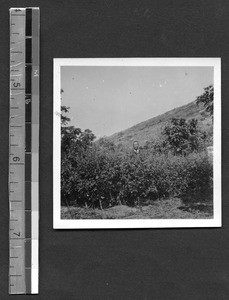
(119, 264)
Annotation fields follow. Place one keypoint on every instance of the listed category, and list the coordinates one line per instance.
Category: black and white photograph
(137, 143)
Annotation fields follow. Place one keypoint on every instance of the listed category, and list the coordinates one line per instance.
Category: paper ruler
(23, 151)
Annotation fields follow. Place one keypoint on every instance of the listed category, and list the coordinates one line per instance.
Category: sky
(110, 99)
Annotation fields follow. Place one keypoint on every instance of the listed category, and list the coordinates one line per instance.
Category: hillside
(151, 129)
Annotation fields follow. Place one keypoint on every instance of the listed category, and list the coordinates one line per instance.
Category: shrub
(183, 137)
(104, 175)
(197, 173)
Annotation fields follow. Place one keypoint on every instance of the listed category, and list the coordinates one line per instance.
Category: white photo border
(59, 223)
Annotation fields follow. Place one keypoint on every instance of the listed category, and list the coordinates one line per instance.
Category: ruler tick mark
(15, 200)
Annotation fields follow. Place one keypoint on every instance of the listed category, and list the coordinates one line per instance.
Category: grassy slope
(151, 129)
(160, 209)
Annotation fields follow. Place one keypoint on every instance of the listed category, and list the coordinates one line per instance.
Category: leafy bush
(103, 176)
(183, 137)
(197, 178)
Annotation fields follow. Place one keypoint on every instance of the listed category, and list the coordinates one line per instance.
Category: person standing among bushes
(136, 147)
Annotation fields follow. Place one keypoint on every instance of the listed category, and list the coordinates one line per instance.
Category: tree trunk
(119, 200)
(139, 204)
(100, 204)
(112, 199)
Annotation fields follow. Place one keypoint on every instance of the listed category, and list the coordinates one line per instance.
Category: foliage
(64, 118)
(198, 185)
(104, 177)
(207, 99)
(182, 137)
(64, 111)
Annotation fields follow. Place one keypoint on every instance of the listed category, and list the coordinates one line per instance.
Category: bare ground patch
(160, 209)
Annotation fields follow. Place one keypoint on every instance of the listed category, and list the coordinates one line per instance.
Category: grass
(151, 129)
(160, 209)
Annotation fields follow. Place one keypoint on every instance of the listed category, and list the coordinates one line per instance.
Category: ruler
(24, 151)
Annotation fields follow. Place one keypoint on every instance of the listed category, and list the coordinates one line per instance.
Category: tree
(207, 99)
(74, 142)
(182, 137)
(64, 110)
